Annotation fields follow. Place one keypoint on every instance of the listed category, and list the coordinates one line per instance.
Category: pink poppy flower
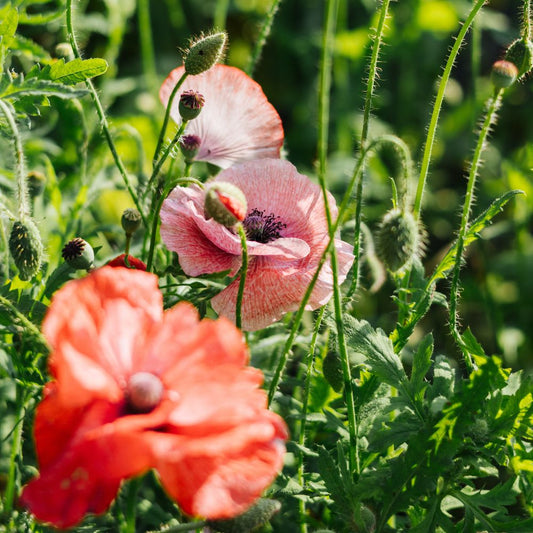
(237, 123)
(287, 233)
(137, 388)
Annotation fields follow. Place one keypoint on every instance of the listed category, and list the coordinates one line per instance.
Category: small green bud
(36, 183)
(191, 103)
(398, 239)
(225, 203)
(189, 146)
(520, 53)
(503, 74)
(64, 50)
(257, 515)
(131, 220)
(332, 369)
(204, 53)
(79, 254)
(479, 431)
(26, 248)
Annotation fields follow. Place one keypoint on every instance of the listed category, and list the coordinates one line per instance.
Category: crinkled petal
(237, 123)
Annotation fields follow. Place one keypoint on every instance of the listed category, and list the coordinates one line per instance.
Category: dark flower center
(143, 392)
(263, 228)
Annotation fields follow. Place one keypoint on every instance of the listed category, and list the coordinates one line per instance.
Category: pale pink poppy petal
(237, 123)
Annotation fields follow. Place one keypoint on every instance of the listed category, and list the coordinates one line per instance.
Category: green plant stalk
(526, 22)
(132, 490)
(147, 44)
(24, 208)
(167, 117)
(430, 138)
(101, 114)
(373, 72)
(490, 117)
(221, 14)
(242, 279)
(263, 36)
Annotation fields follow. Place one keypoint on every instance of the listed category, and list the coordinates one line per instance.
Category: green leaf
(77, 70)
(421, 365)
(8, 26)
(36, 87)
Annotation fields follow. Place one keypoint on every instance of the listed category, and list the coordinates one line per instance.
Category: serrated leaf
(23, 46)
(77, 70)
(36, 87)
(8, 23)
(421, 363)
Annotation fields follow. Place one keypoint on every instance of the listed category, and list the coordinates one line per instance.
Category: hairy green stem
(147, 44)
(101, 114)
(263, 36)
(526, 22)
(490, 117)
(430, 138)
(242, 279)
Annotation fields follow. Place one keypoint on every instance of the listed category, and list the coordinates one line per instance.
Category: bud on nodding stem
(36, 183)
(189, 146)
(191, 103)
(131, 220)
(503, 74)
(225, 203)
(205, 53)
(79, 254)
(520, 53)
(26, 248)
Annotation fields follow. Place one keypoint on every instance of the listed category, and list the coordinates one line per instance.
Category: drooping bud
(225, 203)
(143, 392)
(205, 53)
(189, 146)
(79, 254)
(26, 248)
(131, 220)
(520, 53)
(130, 262)
(332, 369)
(398, 239)
(191, 103)
(257, 515)
(36, 183)
(64, 50)
(503, 74)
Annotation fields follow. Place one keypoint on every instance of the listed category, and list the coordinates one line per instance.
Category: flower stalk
(242, 279)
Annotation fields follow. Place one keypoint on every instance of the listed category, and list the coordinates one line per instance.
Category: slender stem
(147, 45)
(430, 138)
(263, 36)
(490, 117)
(155, 223)
(167, 117)
(132, 491)
(526, 22)
(101, 115)
(242, 279)
(221, 14)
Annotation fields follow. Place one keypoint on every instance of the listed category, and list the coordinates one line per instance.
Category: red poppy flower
(133, 262)
(137, 388)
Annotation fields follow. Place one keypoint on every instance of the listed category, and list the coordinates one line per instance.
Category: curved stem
(490, 117)
(242, 279)
(147, 45)
(101, 114)
(430, 138)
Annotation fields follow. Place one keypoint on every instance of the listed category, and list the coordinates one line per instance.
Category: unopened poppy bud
(26, 248)
(398, 239)
(189, 146)
(64, 50)
(257, 515)
(225, 203)
(191, 103)
(520, 53)
(204, 53)
(79, 254)
(36, 183)
(131, 220)
(332, 369)
(503, 74)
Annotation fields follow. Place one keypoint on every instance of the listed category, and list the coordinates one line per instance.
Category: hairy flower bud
(503, 74)
(225, 203)
(26, 248)
(79, 254)
(520, 53)
(131, 220)
(204, 53)
(191, 103)
(398, 239)
(257, 515)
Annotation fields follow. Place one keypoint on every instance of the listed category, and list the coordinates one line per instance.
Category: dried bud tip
(189, 146)
(503, 74)
(26, 248)
(131, 220)
(191, 103)
(79, 254)
(225, 203)
(205, 53)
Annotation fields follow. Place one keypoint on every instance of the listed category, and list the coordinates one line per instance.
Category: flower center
(143, 392)
(263, 228)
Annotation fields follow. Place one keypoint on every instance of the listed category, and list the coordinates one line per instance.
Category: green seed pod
(189, 146)
(204, 53)
(131, 220)
(520, 53)
(398, 239)
(257, 515)
(26, 248)
(36, 183)
(191, 103)
(79, 254)
(332, 369)
(503, 74)
(225, 203)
